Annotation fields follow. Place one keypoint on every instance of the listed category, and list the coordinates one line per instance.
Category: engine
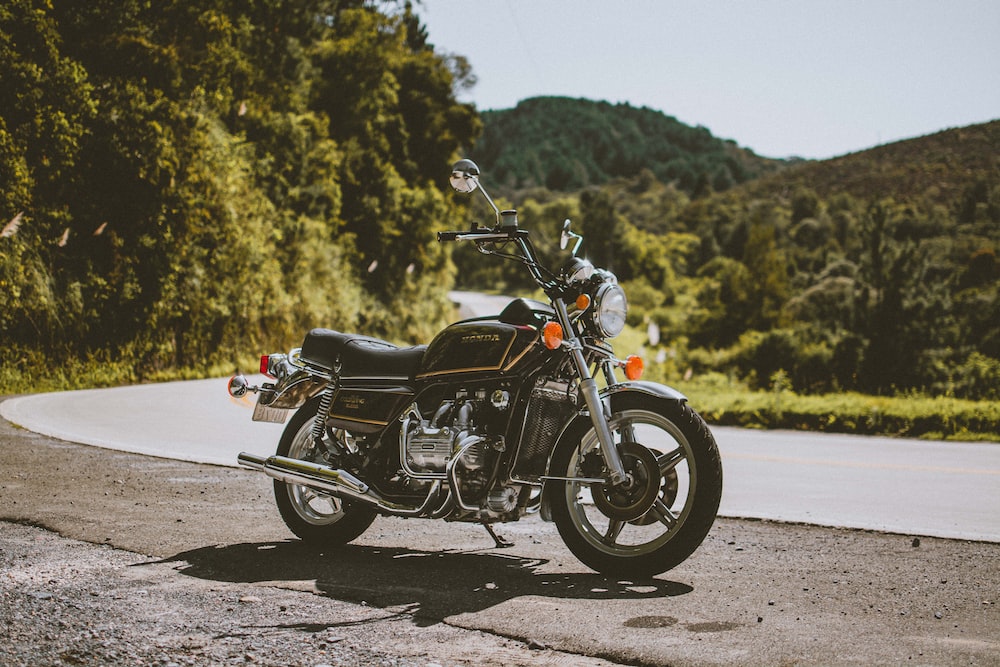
(460, 439)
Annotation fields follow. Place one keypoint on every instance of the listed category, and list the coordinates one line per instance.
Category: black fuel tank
(480, 345)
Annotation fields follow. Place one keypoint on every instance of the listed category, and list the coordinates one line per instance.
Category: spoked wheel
(316, 517)
(656, 520)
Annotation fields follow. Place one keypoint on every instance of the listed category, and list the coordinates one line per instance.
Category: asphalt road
(221, 582)
(940, 489)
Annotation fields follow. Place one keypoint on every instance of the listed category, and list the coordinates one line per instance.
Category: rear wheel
(657, 520)
(316, 517)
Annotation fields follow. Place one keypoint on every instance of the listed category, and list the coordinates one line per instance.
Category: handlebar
(477, 233)
(503, 234)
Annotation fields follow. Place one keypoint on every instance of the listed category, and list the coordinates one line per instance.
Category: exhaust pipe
(336, 482)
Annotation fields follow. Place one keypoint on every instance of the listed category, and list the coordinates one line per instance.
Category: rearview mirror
(465, 176)
(567, 236)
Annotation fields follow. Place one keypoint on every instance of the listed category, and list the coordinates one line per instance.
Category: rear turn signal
(634, 367)
(552, 335)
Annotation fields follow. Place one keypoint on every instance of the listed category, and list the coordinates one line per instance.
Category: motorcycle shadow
(430, 585)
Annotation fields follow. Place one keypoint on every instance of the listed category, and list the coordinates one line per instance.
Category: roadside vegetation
(916, 416)
(726, 400)
(185, 185)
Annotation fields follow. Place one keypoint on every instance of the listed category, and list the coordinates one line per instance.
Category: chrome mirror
(567, 236)
(465, 176)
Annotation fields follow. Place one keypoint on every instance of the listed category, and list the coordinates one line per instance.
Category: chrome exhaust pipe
(336, 482)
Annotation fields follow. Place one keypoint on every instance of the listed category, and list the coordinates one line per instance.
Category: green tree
(768, 270)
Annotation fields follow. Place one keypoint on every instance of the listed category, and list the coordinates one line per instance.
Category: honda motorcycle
(498, 418)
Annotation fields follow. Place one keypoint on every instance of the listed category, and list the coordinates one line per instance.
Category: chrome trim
(294, 390)
(336, 482)
(454, 487)
(581, 480)
(413, 411)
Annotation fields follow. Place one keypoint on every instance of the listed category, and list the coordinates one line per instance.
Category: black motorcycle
(497, 418)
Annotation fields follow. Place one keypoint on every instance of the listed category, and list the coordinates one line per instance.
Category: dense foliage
(567, 144)
(875, 272)
(182, 183)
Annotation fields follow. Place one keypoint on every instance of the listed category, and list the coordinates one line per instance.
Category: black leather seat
(360, 356)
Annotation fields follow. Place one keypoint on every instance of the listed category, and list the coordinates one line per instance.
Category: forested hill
(938, 166)
(875, 271)
(566, 144)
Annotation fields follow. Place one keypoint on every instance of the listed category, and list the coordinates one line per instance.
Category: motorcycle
(497, 419)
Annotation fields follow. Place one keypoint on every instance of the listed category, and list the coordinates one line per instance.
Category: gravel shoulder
(113, 558)
(67, 602)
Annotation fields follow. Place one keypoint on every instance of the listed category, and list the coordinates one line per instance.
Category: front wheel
(317, 518)
(663, 514)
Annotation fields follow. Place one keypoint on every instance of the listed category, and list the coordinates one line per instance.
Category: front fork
(599, 413)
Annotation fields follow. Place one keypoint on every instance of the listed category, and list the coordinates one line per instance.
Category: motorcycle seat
(360, 356)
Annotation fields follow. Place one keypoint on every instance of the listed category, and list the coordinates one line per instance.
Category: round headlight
(610, 308)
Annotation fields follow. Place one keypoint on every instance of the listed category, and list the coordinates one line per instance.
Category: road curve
(939, 489)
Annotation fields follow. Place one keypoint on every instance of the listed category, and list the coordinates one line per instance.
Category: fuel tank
(500, 344)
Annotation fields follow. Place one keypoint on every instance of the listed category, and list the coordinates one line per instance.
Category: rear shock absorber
(319, 423)
(325, 403)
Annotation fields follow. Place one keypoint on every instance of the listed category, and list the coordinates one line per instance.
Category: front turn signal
(634, 366)
(552, 335)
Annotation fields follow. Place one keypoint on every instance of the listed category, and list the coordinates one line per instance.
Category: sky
(807, 78)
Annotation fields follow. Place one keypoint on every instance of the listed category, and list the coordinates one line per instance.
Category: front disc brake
(629, 501)
(668, 494)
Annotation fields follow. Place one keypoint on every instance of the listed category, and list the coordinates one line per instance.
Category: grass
(933, 418)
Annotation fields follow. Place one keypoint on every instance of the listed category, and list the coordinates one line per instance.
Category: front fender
(651, 388)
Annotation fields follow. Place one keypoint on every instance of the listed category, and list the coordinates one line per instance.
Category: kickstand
(500, 542)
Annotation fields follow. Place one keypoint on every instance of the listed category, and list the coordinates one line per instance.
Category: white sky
(813, 78)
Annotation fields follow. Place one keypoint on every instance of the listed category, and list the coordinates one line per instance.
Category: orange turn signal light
(583, 302)
(552, 335)
(634, 366)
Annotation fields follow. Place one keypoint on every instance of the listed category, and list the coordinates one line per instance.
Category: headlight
(610, 308)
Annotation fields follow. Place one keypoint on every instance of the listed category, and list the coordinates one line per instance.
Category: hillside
(565, 144)
(877, 271)
(938, 166)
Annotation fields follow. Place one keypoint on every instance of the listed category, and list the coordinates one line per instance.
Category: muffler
(336, 482)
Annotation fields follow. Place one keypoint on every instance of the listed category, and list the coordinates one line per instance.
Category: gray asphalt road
(226, 584)
(940, 489)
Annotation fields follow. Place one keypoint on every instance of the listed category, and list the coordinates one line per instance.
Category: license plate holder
(264, 413)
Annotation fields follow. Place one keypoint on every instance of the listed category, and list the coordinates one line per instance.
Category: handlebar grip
(448, 236)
